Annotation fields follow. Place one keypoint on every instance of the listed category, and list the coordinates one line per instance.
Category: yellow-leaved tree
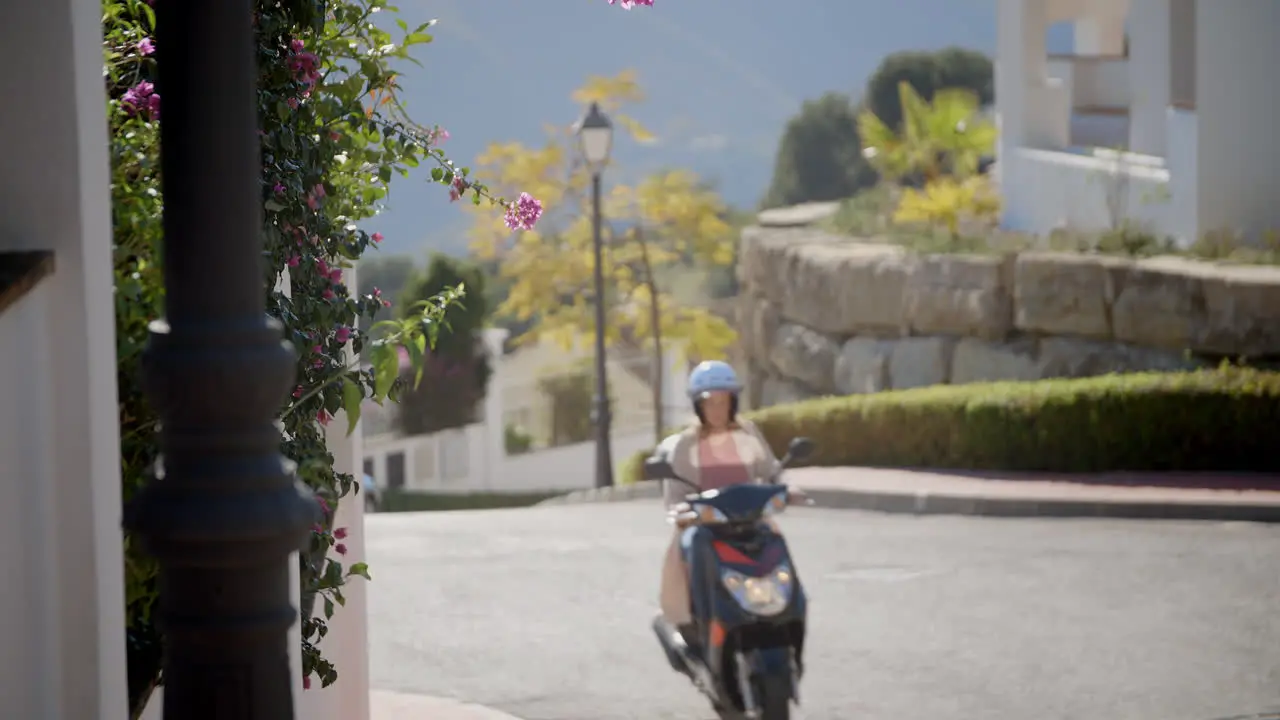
(666, 219)
(941, 141)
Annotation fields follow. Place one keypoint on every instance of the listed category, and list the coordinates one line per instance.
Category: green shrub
(1226, 420)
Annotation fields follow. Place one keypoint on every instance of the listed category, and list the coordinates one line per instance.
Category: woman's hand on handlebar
(682, 515)
(797, 496)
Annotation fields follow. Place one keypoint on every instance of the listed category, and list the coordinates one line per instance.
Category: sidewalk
(386, 705)
(1168, 496)
(1181, 496)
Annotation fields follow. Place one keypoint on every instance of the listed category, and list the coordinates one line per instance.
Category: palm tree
(944, 136)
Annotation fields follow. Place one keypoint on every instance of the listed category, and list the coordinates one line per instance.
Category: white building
(1190, 96)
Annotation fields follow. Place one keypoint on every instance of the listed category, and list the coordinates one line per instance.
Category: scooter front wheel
(775, 697)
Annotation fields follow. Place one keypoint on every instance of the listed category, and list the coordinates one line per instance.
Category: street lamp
(595, 140)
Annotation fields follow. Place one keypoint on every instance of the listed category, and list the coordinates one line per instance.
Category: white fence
(475, 459)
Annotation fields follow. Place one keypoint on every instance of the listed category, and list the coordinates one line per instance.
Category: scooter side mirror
(656, 468)
(800, 448)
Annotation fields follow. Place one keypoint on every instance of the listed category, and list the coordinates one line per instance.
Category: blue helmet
(712, 375)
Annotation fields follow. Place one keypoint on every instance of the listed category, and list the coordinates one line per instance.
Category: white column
(1100, 31)
(1031, 112)
(29, 672)
(494, 415)
(347, 643)
(1182, 52)
(1149, 75)
(54, 195)
(1237, 101)
(1020, 65)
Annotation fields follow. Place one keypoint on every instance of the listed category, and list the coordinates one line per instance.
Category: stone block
(1067, 294)
(757, 326)
(776, 390)
(847, 288)
(863, 366)
(1080, 357)
(805, 355)
(920, 362)
(960, 295)
(976, 360)
(764, 255)
(1162, 303)
(1241, 311)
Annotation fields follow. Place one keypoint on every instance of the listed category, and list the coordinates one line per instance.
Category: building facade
(1162, 116)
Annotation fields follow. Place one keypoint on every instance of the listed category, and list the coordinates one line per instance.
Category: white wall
(28, 608)
(474, 459)
(54, 195)
(1046, 190)
(1237, 103)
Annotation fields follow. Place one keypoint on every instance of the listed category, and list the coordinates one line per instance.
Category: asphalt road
(544, 613)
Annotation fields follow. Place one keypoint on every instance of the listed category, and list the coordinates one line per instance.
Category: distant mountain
(722, 77)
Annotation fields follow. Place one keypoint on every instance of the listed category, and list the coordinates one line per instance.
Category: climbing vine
(333, 135)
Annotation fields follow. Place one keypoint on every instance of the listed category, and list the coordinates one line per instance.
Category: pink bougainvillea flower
(340, 533)
(306, 683)
(278, 189)
(142, 98)
(293, 103)
(297, 45)
(293, 260)
(523, 214)
(340, 549)
(437, 135)
(297, 392)
(458, 187)
(327, 294)
(305, 67)
(342, 334)
(146, 46)
(376, 237)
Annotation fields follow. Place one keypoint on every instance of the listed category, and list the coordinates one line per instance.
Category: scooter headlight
(708, 515)
(768, 595)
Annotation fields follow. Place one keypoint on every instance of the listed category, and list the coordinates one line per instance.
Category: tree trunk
(655, 323)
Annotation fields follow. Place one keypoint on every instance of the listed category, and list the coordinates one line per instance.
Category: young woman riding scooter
(719, 449)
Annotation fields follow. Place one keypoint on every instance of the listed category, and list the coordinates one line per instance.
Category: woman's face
(715, 409)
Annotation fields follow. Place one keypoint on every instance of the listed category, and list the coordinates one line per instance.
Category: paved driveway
(545, 613)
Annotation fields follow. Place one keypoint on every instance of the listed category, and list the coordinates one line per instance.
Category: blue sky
(722, 77)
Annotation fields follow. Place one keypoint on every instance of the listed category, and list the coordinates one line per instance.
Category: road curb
(643, 490)
(935, 503)
(387, 705)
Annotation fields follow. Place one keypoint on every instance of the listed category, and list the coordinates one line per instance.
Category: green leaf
(386, 366)
(328, 609)
(437, 174)
(361, 569)
(352, 396)
(273, 206)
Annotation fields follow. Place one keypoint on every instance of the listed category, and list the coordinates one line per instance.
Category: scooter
(747, 653)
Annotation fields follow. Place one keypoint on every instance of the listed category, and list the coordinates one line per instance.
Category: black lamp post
(595, 140)
(225, 510)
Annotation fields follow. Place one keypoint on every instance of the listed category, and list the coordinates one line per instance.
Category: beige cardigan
(681, 450)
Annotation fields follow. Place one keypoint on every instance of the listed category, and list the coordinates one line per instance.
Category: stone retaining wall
(822, 314)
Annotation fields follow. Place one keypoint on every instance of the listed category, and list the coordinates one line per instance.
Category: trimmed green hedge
(1226, 419)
